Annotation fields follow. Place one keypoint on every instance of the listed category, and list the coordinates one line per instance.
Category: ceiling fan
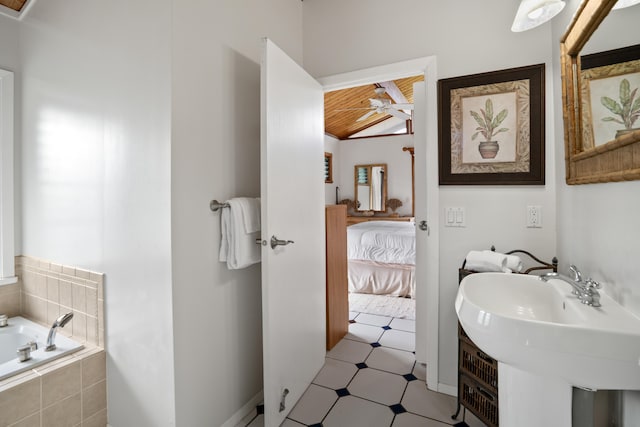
(382, 105)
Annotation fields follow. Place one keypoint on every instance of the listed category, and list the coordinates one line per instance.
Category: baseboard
(447, 389)
(249, 407)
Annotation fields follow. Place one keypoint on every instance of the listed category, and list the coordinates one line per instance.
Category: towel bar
(215, 205)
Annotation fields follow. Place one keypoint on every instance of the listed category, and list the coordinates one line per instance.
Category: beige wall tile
(56, 267)
(69, 271)
(94, 369)
(66, 298)
(10, 303)
(79, 298)
(91, 301)
(30, 421)
(39, 309)
(66, 413)
(41, 285)
(83, 273)
(61, 383)
(52, 289)
(79, 326)
(53, 312)
(97, 420)
(94, 399)
(29, 282)
(19, 402)
(92, 331)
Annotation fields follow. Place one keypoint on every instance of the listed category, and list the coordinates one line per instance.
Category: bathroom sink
(542, 328)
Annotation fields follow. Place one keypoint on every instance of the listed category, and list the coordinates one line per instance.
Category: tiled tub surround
(49, 290)
(70, 391)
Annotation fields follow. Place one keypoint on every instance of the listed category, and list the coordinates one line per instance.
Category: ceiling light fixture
(532, 13)
(621, 4)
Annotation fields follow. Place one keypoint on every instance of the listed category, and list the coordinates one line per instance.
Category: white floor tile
(374, 319)
(421, 401)
(313, 405)
(398, 339)
(352, 411)
(407, 419)
(364, 333)
(291, 423)
(403, 325)
(353, 315)
(472, 420)
(420, 371)
(335, 374)
(257, 421)
(381, 387)
(350, 351)
(391, 360)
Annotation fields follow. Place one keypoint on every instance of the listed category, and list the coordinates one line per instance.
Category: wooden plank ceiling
(342, 108)
(13, 4)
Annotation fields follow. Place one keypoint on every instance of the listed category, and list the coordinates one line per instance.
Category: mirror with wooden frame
(370, 183)
(615, 159)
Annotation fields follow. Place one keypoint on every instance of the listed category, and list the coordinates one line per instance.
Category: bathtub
(21, 331)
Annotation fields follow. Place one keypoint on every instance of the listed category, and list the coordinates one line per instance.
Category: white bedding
(369, 277)
(392, 242)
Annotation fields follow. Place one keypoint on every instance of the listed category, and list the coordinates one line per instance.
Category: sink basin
(540, 327)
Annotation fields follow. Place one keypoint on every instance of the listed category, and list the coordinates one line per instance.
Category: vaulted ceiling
(343, 108)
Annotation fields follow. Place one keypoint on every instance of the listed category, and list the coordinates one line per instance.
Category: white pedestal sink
(541, 329)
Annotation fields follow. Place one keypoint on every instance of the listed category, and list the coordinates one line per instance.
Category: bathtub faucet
(60, 322)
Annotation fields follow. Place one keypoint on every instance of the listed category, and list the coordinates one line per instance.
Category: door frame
(426, 347)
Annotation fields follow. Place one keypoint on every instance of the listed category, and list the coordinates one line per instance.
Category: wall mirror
(613, 158)
(370, 183)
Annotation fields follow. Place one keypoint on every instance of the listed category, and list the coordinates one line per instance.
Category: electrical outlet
(534, 217)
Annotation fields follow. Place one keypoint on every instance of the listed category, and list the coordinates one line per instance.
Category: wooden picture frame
(491, 128)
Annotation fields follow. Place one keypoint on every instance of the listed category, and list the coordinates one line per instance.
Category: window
(7, 273)
(328, 168)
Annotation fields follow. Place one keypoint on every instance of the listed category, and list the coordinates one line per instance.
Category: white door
(427, 235)
(292, 192)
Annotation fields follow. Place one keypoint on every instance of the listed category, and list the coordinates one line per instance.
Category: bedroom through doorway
(402, 205)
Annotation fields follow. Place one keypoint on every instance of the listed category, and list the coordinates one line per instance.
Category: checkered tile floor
(371, 379)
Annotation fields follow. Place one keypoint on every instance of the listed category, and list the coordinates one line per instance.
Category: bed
(381, 258)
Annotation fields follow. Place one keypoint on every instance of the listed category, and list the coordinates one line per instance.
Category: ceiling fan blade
(398, 114)
(402, 106)
(353, 109)
(366, 116)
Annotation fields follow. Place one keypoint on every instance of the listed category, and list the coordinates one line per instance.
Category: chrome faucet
(586, 291)
(59, 323)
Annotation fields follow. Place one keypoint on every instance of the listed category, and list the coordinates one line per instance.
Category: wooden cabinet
(337, 293)
(358, 219)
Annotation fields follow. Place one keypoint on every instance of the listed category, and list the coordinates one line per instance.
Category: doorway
(426, 198)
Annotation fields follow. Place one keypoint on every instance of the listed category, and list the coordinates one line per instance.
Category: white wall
(478, 39)
(598, 227)
(216, 154)
(385, 149)
(96, 178)
(332, 145)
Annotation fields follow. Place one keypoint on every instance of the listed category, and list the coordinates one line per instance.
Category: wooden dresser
(358, 219)
(337, 293)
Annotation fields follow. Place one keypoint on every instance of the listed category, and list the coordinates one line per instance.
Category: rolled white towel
(485, 261)
(514, 263)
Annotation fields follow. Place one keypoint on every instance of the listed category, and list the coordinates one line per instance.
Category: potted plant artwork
(488, 127)
(627, 110)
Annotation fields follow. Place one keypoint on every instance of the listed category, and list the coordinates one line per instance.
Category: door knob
(277, 242)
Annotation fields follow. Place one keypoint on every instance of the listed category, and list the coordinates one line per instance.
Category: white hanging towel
(486, 261)
(240, 227)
